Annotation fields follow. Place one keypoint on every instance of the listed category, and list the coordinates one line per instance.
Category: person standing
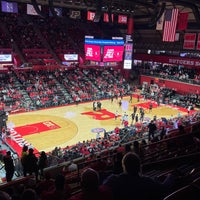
(150, 107)
(131, 98)
(24, 154)
(120, 103)
(111, 98)
(134, 109)
(9, 166)
(132, 118)
(42, 163)
(142, 115)
(31, 163)
(138, 98)
(136, 118)
(94, 105)
(116, 115)
(152, 128)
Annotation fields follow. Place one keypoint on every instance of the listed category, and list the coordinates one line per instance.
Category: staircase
(67, 96)
(27, 100)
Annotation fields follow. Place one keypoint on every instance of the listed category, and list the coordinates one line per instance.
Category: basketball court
(65, 126)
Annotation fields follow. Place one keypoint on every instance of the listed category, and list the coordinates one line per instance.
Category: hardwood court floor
(72, 124)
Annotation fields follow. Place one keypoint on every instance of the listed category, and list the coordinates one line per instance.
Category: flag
(10, 7)
(189, 41)
(130, 29)
(106, 17)
(31, 10)
(182, 21)
(171, 17)
(160, 22)
(75, 14)
(58, 12)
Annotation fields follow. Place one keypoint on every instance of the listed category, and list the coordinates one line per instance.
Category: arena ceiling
(144, 12)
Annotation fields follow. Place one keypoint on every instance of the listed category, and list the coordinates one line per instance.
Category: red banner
(106, 17)
(182, 21)
(122, 19)
(90, 15)
(198, 42)
(189, 41)
(168, 59)
(130, 26)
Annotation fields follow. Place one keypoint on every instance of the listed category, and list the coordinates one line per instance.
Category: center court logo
(100, 114)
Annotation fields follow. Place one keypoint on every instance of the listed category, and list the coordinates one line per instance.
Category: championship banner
(122, 19)
(130, 28)
(189, 41)
(90, 16)
(198, 42)
(106, 17)
(182, 21)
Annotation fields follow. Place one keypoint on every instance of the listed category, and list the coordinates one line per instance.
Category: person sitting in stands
(4, 196)
(90, 187)
(29, 194)
(72, 166)
(61, 190)
(45, 185)
(131, 184)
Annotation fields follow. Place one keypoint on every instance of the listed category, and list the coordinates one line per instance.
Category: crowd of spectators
(104, 177)
(173, 72)
(10, 94)
(60, 87)
(170, 96)
(45, 89)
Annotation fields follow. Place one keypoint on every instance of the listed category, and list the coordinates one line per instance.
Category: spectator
(9, 166)
(23, 158)
(61, 190)
(117, 160)
(42, 163)
(29, 194)
(90, 187)
(31, 163)
(152, 128)
(72, 167)
(45, 185)
(131, 184)
(137, 149)
(4, 196)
